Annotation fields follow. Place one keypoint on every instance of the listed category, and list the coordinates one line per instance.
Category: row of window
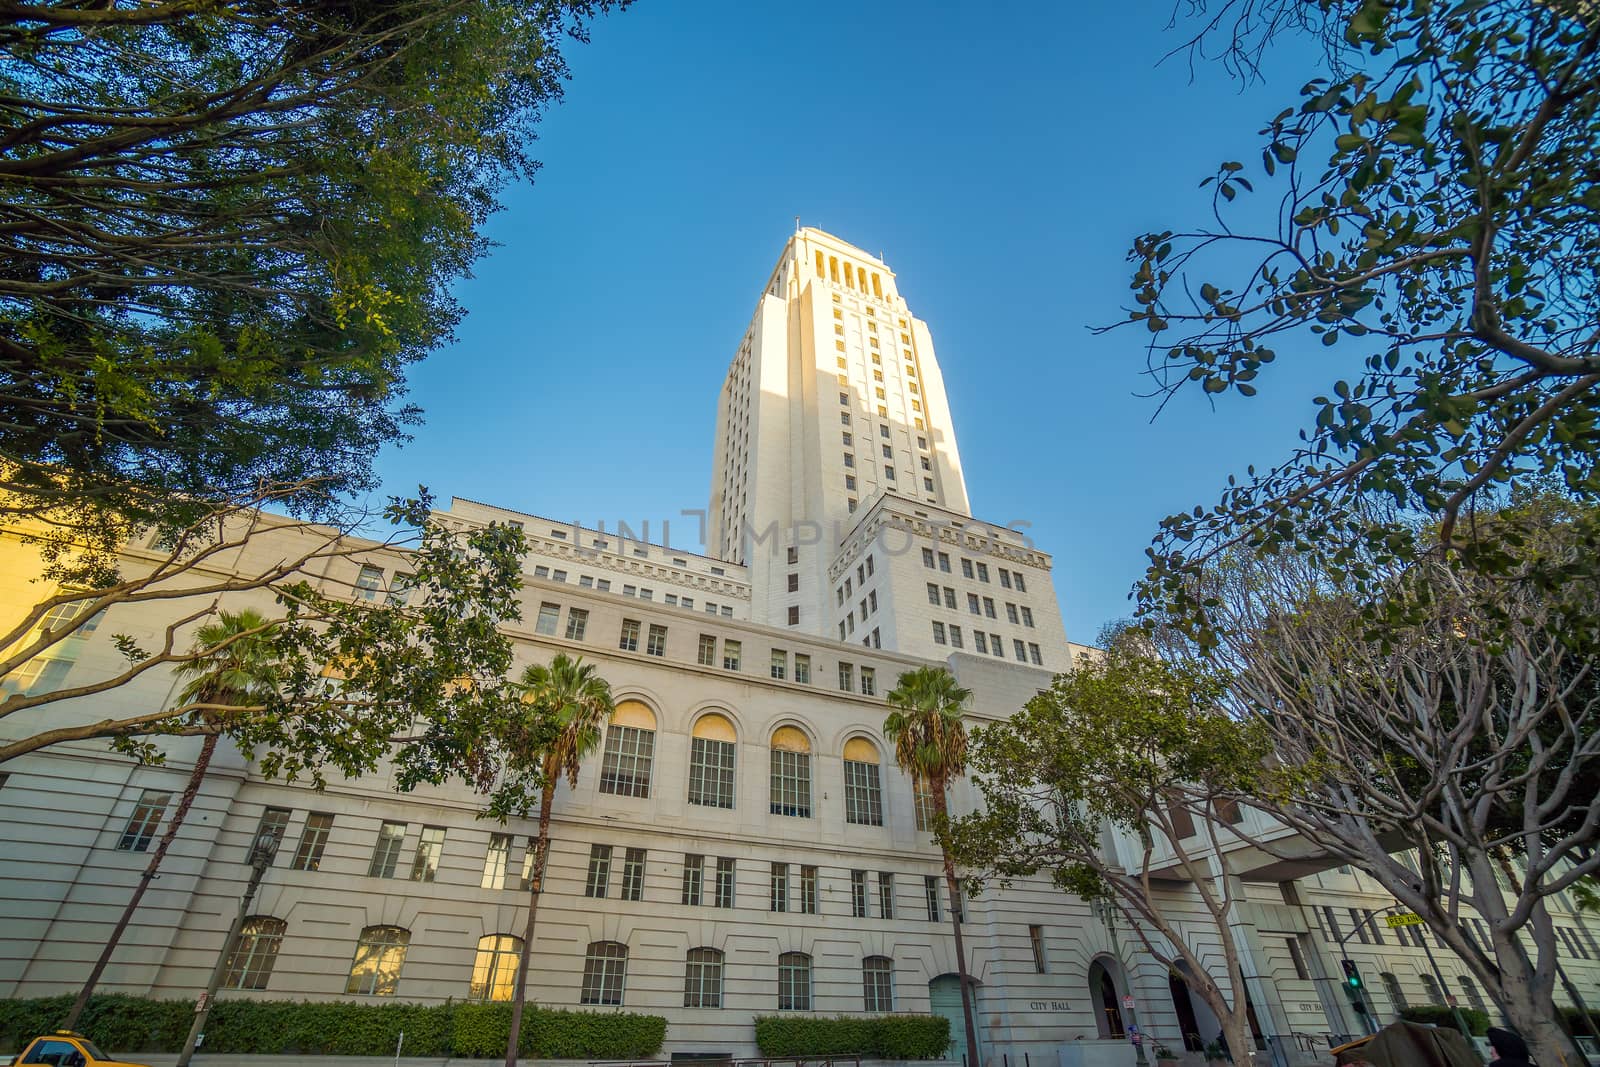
(380, 957)
(976, 605)
(1009, 579)
(991, 643)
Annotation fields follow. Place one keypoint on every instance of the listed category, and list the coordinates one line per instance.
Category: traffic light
(1352, 986)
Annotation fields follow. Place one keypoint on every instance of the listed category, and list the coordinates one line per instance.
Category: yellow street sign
(1406, 919)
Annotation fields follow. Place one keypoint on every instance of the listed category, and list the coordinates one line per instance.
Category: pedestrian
(1510, 1050)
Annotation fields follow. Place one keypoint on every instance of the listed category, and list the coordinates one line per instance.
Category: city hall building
(742, 843)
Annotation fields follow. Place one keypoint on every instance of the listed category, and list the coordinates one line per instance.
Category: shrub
(282, 1027)
(895, 1037)
(1439, 1015)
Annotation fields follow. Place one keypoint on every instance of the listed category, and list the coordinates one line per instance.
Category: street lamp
(262, 852)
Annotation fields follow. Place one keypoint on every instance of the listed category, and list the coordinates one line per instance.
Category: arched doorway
(1105, 995)
(1188, 1022)
(944, 999)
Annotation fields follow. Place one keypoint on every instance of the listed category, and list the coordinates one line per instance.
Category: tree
(235, 665)
(570, 704)
(930, 744)
(418, 677)
(229, 228)
(1447, 252)
(1454, 721)
(1134, 742)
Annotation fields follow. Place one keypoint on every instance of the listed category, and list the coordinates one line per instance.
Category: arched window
(494, 970)
(877, 984)
(630, 751)
(794, 982)
(711, 755)
(605, 968)
(863, 794)
(1470, 988)
(1397, 996)
(791, 773)
(702, 979)
(1431, 990)
(250, 963)
(380, 954)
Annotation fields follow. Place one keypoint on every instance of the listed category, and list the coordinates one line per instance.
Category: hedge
(282, 1027)
(889, 1037)
(1439, 1015)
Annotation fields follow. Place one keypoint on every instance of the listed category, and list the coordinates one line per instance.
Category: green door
(944, 996)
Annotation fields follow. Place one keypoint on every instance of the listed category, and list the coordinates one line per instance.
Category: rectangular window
(988, 606)
(944, 562)
(711, 772)
(794, 583)
(629, 639)
(863, 797)
(147, 813)
(858, 894)
(549, 615)
(656, 642)
(885, 895)
(1033, 655)
(1011, 613)
(1022, 586)
(1019, 649)
(730, 655)
(802, 668)
(694, 872)
(633, 874)
(1027, 615)
(313, 840)
(1036, 940)
(930, 894)
(708, 651)
(966, 568)
(955, 636)
(933, 594)
(1359, 925)
(997, 646)
(780, 887)
(972, 604)
(1005, 575)
(586, 581)
(369, 583)
(386, 853)
(425, 861)
(724, 882)
(983, 572)
(780, 664)
(808, 890)
(794, 615)
(846, 677)
(577, 621)
(869, 682)
(626, 763)
(495, 861)
(599, 877)
(980, 641)
(1332, 931)
(927, 557)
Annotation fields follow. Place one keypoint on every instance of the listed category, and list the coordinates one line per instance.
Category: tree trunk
(541, 851)
(1527, 998)
(954, 890)
(201, 763)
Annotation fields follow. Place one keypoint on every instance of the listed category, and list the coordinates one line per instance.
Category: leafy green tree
(570, 704)
(418, 677)
(228, 230)
(930, 744)
(1428, 729)
(235, 664)
(1135, 743)
(1438, 233)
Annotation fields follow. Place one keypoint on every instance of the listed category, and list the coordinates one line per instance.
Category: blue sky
(1001, 157)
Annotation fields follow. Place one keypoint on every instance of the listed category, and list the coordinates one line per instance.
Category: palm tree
(930, 744)
(574, 702)
(232, 664)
